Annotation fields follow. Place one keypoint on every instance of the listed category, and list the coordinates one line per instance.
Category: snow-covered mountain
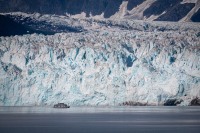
(108, 62)
(159, 10)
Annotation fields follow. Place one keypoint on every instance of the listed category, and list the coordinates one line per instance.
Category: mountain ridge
(159, 10)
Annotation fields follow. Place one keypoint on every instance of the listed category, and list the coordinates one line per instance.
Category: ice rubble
(106, 66)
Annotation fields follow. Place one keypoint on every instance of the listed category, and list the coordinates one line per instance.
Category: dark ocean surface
(100, 120)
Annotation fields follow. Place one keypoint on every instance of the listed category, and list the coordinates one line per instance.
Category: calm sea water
(100, 120)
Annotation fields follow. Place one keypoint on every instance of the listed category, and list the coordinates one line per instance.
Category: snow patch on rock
(189, 1)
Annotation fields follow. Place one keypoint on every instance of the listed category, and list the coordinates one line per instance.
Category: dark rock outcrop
(177, 12)
(159, 6)
(9, 27)
(134, 3)
(196, 16)
(172, 102)
(195, 102)
(94, 7)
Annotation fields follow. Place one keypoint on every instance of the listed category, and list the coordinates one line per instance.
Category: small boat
(61, 105)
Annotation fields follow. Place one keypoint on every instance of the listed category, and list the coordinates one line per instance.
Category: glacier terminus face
(102, 65)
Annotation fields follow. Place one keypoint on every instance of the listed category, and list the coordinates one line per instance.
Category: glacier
(111, 63)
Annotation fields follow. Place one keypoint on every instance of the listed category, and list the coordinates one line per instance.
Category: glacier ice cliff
(101, 67)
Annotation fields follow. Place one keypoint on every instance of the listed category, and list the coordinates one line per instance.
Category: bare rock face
(94, 7)
(195, 102)
(110, 63)
(196, 16)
